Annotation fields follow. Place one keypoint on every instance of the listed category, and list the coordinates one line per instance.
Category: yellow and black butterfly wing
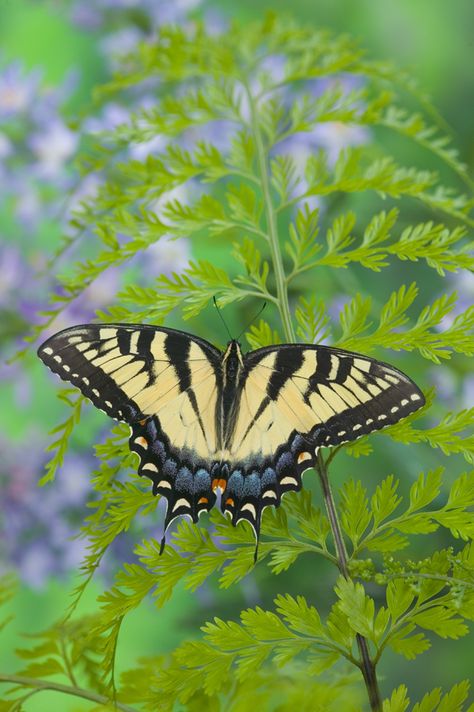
(164, 384)
(288, 401)
(295, 399)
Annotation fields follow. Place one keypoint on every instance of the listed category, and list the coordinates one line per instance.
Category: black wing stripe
(177, 352)
(124, 337)
(344, 368)
(282, 372)
(144, 342)
(323, 365)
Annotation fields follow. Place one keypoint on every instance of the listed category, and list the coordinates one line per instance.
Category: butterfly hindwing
(178, 475)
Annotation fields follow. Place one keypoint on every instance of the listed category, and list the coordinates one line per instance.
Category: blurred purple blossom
(29, 208)
(118, 44)
(18, 89)
(36, 145)
(85, 190)
(39, 526)
(52, 146)
(39, 523)
(39, 184)
(97, 14)
(86, 17)
(461, 282)
(112, 115)
(334, 136)
(6, 146)
(166, 256)
(330, 136)
(18, 289)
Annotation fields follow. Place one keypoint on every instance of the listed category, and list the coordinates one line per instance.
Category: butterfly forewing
(130, 372)
(330, 395)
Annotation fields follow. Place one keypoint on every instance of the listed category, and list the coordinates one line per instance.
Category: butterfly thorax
(232, 371)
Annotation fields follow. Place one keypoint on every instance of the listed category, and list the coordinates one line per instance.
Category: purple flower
(120, 43)
(85, 16)
(171, 12)
(112, 115)
(53, 147)
(99, 13)
(467, 397)
(6, 146)
(334, 136)
(18, 287)
(17, 89)
(166, 256)
(29, 209)
(331, 136)
(140, 151)
(98, 295)
(37, 521)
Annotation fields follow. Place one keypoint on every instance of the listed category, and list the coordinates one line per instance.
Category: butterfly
(203, 420)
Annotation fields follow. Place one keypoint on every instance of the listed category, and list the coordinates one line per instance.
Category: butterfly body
(204, 420)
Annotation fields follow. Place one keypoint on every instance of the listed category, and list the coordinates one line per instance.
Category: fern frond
(65, 429)
(424, 335)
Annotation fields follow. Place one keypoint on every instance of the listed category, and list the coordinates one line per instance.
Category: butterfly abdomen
(232, 369)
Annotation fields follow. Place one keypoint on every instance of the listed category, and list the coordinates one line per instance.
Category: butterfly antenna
(252, 320)
(221, 317)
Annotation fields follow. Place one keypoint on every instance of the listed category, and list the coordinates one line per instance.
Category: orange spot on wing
(216, 484)
(229, 501)
(203, 500)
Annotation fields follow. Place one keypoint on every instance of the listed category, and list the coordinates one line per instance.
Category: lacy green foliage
(116, 506)
(425, 334)
(259, 199)
(434, 595)
(425, 241)
(213, 78)
(434, 701)
(64, 431)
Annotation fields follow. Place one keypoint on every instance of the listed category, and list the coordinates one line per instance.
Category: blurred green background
(433, 40)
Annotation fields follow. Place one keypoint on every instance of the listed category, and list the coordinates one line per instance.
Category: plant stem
(366, 664)
(272, 230)
(41, 685)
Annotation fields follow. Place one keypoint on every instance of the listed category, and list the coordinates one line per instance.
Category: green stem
(273, 241)
(42, 685)
(366, 664)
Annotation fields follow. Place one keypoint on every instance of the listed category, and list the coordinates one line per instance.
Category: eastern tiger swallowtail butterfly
(202, 419)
